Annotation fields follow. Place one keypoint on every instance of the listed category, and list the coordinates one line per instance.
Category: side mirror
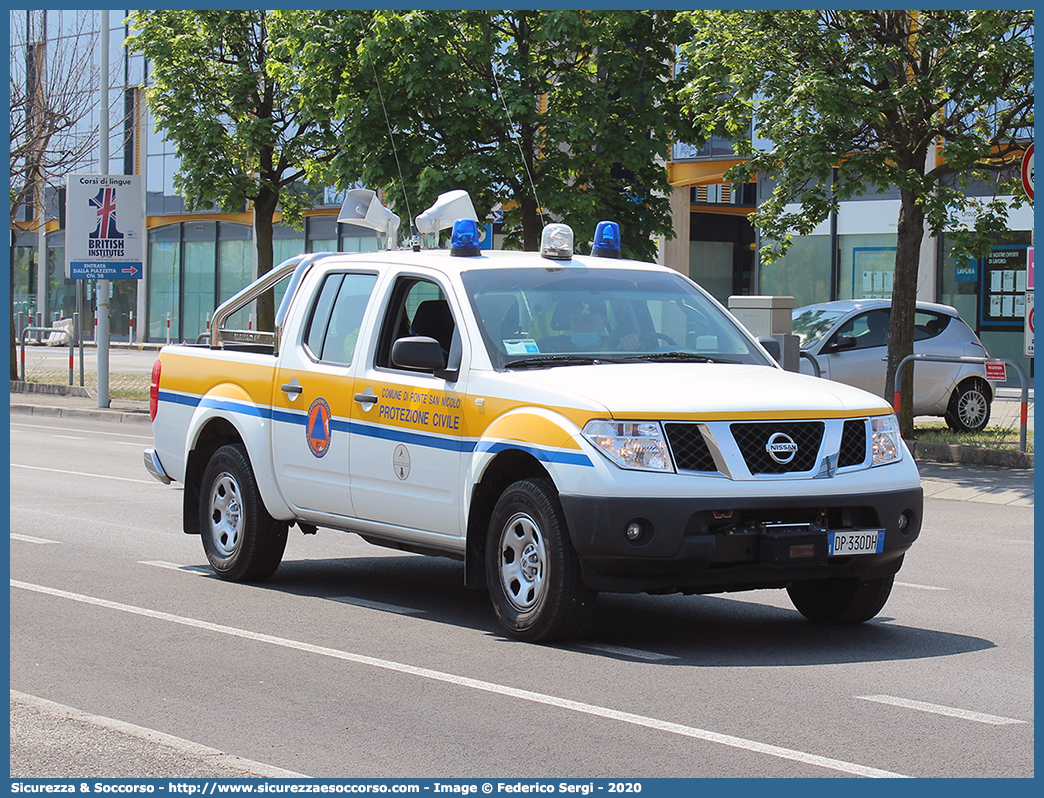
(841, 343)
(418, 352)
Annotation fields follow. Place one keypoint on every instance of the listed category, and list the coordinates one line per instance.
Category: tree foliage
(862, 101)
(556, 114)
(233, 125)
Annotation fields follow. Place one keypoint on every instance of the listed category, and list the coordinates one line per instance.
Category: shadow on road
(701, 631)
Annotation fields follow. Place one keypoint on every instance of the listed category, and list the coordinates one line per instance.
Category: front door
(407, 432)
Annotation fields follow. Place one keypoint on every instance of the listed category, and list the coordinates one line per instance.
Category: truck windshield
(530, 316)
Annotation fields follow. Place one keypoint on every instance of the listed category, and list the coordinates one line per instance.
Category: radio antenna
(522, 155)
(391, 137)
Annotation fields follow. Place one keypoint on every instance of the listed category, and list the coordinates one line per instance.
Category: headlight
(631, 444)
(887, 446)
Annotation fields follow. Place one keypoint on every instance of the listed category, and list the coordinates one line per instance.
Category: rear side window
(333, 329)
(928, 325)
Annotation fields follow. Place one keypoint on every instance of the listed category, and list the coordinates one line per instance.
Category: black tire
(242, 541)
(838, 601)
(969, 409)
(532, 571)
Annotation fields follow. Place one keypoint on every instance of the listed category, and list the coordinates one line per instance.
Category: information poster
(874, 272)
(1005, 283)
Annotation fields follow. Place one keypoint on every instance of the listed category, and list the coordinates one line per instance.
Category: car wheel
(837, 601)
(531, 568)
(969, 409)
(242, 541)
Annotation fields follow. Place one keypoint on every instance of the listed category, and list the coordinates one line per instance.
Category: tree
(233, 125)
(857, 101)
(562, 115)
(51, 96)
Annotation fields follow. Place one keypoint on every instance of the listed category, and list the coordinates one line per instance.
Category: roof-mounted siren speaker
(361, 207)
(448, 208)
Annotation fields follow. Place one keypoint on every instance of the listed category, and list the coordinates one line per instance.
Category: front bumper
(709, 545)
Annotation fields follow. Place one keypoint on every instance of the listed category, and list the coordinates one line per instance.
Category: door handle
(366, 398)
(292, 389)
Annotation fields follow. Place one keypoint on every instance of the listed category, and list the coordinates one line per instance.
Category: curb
(969, 455)
(101, 414)
(17, 386)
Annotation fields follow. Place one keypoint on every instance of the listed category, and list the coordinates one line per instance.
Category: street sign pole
(103, 157)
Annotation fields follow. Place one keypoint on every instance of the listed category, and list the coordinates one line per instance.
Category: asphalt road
(129, 659)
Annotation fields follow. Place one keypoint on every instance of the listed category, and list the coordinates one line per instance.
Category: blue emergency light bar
(464, 242)
(606, 240)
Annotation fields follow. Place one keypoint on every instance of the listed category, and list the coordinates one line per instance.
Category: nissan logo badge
(781, 448)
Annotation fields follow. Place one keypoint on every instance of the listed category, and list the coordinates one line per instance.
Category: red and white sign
(1027, 171)
(995, 371)
(1028, 335)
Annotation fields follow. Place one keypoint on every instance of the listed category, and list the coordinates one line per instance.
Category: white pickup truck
(561, 424)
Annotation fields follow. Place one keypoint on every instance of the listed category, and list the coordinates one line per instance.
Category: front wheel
(242, 541)
(532, 570)
(839, 601)
(969, 408)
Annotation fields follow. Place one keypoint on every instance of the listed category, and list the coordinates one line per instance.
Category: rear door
(312, 397)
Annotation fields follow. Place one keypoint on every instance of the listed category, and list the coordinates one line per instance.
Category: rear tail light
(154, 390)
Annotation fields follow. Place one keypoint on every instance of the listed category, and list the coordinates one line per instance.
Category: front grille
(753, 440)
(690, 450)
(853, 444)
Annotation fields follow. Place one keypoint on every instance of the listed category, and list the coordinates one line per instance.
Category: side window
(333, 330)
(868, 329)
(418, 307)
(928, 325)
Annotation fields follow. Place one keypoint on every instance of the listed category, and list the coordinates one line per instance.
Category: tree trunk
(264, 213)
(909, 234)
(531, 229)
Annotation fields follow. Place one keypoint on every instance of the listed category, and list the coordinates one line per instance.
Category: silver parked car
(849, 340)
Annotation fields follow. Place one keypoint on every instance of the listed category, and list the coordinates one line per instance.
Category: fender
(550, 437)
(231, 403)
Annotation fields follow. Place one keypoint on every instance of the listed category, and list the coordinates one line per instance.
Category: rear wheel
(242, 541)
(969, 409)
(837, 601)
(532, 570)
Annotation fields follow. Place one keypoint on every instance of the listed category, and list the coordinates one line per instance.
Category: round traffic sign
(1027, 171)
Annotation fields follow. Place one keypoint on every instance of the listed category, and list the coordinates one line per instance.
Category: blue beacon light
(464, 242)
(606, 240)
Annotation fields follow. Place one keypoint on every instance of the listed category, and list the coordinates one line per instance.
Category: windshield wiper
(547, 361)
(676, 357)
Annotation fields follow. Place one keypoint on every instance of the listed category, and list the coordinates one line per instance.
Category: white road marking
(476, 684)
(70, 437)
(84, 474)
(30, 538)
(377, 605)
(937, 709)
(919, 587)
(89, 431)
(633, 653)
(248, 766)
(173, 566)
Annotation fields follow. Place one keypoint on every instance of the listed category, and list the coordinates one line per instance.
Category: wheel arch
(984, 385)
(506, 468)
(211, 436)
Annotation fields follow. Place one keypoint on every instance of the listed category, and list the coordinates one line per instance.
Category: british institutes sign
(105, 227)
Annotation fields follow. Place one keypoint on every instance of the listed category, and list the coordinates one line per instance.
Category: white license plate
(860, 541)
